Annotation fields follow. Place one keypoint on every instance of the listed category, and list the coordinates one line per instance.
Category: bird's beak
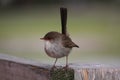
(42, 38)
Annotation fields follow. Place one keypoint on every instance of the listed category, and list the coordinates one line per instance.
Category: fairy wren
(58, 45)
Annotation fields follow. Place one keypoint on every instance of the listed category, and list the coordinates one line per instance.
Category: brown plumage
(58, 45)
(67, 42)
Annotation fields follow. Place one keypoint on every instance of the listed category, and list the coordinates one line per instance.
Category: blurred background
(92, 24)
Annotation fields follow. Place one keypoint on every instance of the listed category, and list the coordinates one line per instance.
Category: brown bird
(58, 45)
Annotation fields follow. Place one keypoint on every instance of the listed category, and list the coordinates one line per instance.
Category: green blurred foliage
(95, 28)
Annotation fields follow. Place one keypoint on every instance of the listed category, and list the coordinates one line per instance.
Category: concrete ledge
(14, 68)
(96, 72)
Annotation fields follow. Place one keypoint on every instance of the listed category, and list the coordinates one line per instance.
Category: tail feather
(76, 46)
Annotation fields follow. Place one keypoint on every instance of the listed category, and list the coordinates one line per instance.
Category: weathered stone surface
(15, 71)
(13, 68)
(96, 72)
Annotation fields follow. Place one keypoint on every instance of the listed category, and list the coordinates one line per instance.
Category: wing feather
(68, 43)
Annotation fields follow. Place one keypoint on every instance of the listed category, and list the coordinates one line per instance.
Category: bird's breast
(56, 50)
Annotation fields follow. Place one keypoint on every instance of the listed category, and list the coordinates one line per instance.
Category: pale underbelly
(56, 50)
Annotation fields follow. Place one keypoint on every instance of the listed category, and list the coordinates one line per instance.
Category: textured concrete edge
(81, 71)
(23, 61)
(36, 70)
(96, 72)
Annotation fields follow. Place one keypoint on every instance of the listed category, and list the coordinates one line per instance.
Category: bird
(58, 45)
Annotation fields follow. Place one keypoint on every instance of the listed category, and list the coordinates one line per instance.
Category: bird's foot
(66, 67)
(53, 67)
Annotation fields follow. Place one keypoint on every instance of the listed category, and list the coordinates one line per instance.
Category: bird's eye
(48, 38)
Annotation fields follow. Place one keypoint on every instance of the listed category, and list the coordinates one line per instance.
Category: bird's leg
(54, 63)
(66, 66)
(66, 62)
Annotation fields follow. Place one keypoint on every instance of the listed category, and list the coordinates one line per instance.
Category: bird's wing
(67, 42)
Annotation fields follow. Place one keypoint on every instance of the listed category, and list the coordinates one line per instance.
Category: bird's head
(51, 36)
